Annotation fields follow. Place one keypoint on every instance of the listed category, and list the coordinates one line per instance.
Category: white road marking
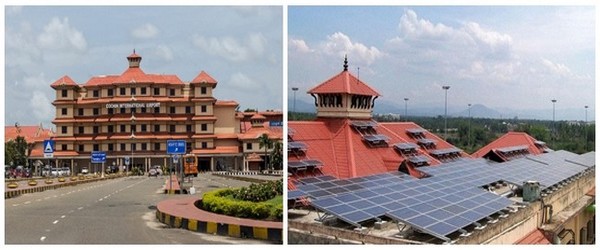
(62, 217)
(71, 211)
(56, 221)
(106, 197)
(100, 199)
(79, 208)
(43, 238)
(27, 202)
(15, 205)
(38, 200)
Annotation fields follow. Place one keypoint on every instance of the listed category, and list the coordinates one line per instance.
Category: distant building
(34, 135)
(133, 114)
(361, 176)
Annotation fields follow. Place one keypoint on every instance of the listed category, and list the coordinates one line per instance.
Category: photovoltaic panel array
(405, 146)
(296, 146)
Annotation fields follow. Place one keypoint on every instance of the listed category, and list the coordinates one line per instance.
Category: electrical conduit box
(531, 191)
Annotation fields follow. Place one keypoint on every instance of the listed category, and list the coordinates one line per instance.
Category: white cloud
(298, 45)
(242, 82)
(145, 31)
(233, 49)
(164, 52)
(413, 27)
(556, 68)
(340, 44)
(14, 9)
(59, 35)
(39, 104)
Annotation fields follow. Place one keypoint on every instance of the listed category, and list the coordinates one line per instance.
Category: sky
(503, 57)
(241, 47)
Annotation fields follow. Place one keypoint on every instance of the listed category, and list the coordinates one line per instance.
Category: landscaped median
(46, 185)
(251, 212)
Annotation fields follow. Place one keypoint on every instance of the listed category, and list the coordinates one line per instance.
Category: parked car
(85, 170)
(158, 169)
(66, 171)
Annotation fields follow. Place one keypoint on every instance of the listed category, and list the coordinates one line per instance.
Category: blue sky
(241, 47)
(509, 57)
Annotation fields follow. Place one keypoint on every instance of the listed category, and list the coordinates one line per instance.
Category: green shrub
(223, 201)
(259, 192)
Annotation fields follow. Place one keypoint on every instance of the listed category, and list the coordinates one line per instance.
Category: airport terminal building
(133, 114)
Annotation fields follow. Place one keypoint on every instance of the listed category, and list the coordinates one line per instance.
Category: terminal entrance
(204, 164)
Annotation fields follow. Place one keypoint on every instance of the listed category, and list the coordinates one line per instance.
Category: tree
(266, 142)
(277, 156)
(16, 151)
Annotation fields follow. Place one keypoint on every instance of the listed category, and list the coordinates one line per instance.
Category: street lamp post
(446, 112)
(553, 115)
(405, 109)
(469, 136)
(586, 121)
(294, 89)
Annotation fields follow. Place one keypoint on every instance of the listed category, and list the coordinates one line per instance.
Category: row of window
(132, 91)
(96, 111)
(133, 146)
(133, 128)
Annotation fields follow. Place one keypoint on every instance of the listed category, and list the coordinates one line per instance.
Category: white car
(85, 170)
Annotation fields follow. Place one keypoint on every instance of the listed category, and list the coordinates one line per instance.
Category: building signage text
(133, 105)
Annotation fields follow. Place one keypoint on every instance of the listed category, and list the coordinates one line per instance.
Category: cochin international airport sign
(132, 105)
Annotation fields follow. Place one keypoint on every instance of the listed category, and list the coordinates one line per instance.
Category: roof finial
(133, 50)
(346, 62)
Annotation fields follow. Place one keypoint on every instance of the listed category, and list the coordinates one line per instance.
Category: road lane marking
(79, 208)
(27, 202)
(100, 199)
(16, 205)
(56, 221)
(62, 217)
(43, 238)
(38, 200)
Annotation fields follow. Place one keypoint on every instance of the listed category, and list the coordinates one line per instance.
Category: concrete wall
(305, 233)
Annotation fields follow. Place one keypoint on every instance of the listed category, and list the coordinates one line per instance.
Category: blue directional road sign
(175, 146)
(126, 160)
(98, 157)
(48, 146)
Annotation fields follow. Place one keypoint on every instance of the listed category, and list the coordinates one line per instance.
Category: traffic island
(185, 214)
(74, 178)
(61, 179)
(49, 181)
(32, 183)
(12, 184)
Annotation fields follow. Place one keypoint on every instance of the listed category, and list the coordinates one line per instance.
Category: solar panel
(356, 217)
(363, 124)
(405, 146)
(295, 194)
(446, 151)
(512, 149)
(295, 146)
(426, 141)
(416, 131)
(418, 159)
(296, 165)
(315, 163)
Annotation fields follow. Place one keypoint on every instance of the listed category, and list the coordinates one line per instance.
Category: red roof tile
(535, 237)
(226, 103)
(510, 139)
(63, 81)
(258, 116)
(30, 133)
(344, 82)
(204, 77)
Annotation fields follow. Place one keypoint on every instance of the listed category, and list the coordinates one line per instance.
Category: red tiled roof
(274, 133)
(218, 150)
(226, 103)
(203, 77)
(258, 116)
(344, 82)
(510, 139)
(30, 133)
(254, 158)
(535, 237)
(133, 55)
(63, 81)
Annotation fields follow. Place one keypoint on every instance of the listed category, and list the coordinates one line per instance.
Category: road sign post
(175, 148)
(99, 157)
(48, 148)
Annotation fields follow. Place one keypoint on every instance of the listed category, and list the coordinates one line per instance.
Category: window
(122, 111)
(143, 127)
(156, 91)
(203, 108)
(95, 129)
(64, 93)
(63, 129)
(172, 92)
(156, 110)
(96, 147)
(111, 92)
(143, 110)
(204, 144)
(122, 146)
(111, 147)
(96, 111)
(122, 91)
(63, 111)
(133, 146)
(188, 128)
(110, 111)
(249, 146)
(172, 128)
(95, 93)
(172, 110)
(157, 146)
(188, 109)
(188, 146)
(144, 147)
(110, 129)
(132, 91)
(143, 90)
(132, 110)
(203, 127)
(132, 127)
(156, 128)
(122, 128)
(582, 235)
(81, 131)
(203, 90)
(80, 111)
(63, 147)
(80, 148)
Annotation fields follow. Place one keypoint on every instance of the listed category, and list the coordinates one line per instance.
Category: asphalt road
(118, 211)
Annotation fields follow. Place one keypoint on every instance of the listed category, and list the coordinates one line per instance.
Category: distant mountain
(302, 106)
(480, 111)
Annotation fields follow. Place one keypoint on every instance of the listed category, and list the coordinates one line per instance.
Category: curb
(33, 189)
(222, 229)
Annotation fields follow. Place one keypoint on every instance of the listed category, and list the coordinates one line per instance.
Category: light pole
(446, 112)
(586, 107)
(553, 115)
(405, 109)
(469, 142)
(294, 89)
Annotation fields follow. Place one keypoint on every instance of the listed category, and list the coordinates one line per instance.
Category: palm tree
(277, 155)
(264, 141)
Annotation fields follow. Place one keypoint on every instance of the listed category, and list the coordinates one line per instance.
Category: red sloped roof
(204, 77)
(226, 103)
(510, 139)
(133, 55)
(345, 83)
(258, 116)
(275, 133)
(535, 237)
(63, 81)
(30, 133)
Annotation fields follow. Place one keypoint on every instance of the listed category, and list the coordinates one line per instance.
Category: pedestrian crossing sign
(48, 146)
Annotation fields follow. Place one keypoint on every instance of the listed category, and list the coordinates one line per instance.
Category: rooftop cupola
(344, 96)
(134, 60)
